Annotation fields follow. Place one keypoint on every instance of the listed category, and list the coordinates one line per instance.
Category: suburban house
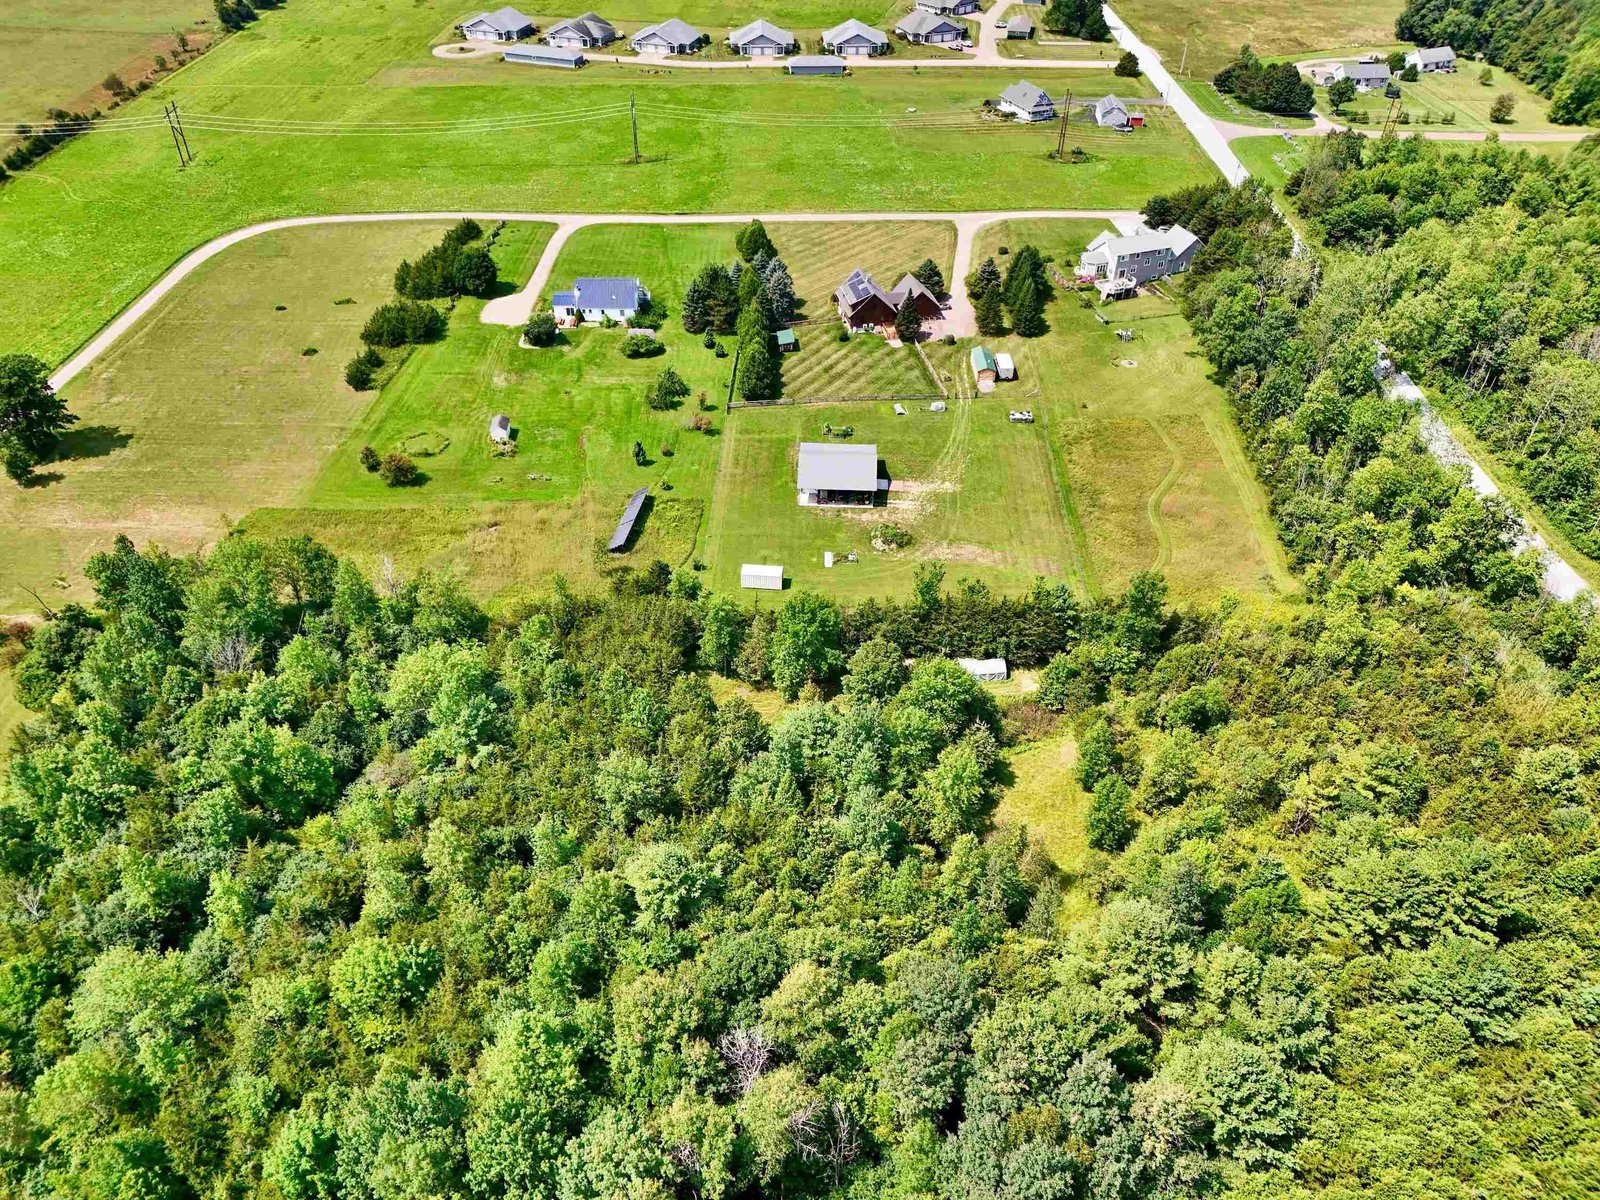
(581, 33)
(919, 25)
(1111, 113)
(1026, 102)
(545, 56)
(595, 299)
(949, 8)
(502, 25)
(762, 39)
(1365, 76)
(854, 38)
(816, 64)
(863, 305)
(1435, 60)
(1019, 27)
(842, 473)
(669, 37)
(1119, 263)
(500, 429)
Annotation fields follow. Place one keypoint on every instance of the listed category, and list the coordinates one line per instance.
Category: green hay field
(87, 230)
(1461, 96)
(1213, 30)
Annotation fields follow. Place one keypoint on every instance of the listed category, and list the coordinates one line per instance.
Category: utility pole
(633, 115)
(1061, 135)
(1184, 60)
(1393, 119)
(171, 113)
(182, 136)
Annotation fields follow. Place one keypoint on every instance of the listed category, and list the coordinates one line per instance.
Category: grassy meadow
(79, 236)
(54, 54)
(1203, 36)
(1126, 468)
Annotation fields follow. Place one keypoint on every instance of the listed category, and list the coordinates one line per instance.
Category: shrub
(666, 391)
(844, 335)
(403, 322)
(474, 273)
(1111, 823)
(700, 423)
(1127, 65)
(641, 345)
(639, 456)
(1410, 75)
(396, 470)
(358, 373)
(710, 340)
(308, 352)
(888, 536)
(540, 330)
(370, 459)
(1500, 110)
(666, 450)
(463, 231)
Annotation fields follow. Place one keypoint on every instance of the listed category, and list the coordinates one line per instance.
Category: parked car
(1025, 416)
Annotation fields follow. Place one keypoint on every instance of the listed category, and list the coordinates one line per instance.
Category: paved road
(1233, 130)
(979, 56)
(1203, 129)
(515, 309)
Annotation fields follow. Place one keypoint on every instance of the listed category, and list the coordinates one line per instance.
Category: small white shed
(766, 578)
(500, 428)
(984, 670)
(1004, 366)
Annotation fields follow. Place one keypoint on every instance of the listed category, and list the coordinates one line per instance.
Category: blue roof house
(595, 299)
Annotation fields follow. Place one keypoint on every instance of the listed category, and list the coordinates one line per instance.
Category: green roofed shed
(787, 340)
(982, 360)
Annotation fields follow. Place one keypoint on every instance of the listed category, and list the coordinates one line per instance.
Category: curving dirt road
(515, 309)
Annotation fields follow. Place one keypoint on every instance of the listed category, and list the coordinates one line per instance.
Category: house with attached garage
(843, 474)
(762, 39)
(865, 306)
(855, 38)
(1366, 76)
(1019, 27)
(949, 8)
(1434, 60)
(581, 33)
(595, 299)
(922, 299)
(545, 56)
(669, 37)
(1119, 263)
(927, 28)
(502, 25)
(1026, 102)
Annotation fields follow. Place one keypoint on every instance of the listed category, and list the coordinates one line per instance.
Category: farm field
(1125, 468)
(1434, 98)
(1213, 30)
(77, 242)
(54, 54)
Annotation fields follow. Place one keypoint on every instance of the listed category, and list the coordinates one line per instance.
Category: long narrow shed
(766, 577)
(619, 539)
(545, 56)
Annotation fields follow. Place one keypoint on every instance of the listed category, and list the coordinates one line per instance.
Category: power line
(171, 114)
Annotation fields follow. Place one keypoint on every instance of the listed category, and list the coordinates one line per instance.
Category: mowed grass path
(89, 229)
(1213, 30)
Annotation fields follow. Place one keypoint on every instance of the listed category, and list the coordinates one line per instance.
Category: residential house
(854, 39)
(1111, 113)
(669, 37)
(1026, 102)
(545, 56)
(923, 300)
(816, 64)
(949, 8)
(1433, 60)
(1119, 263)
(922, 26)
(762, 39)
(500, 429)
(863, 305)
(502, 25)
(581, 33)
(1366, 76)
(839, 473)
(1019, 27)
(595, 299)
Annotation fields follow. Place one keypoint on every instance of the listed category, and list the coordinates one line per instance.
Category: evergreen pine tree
(1027, 308)
(753, 240)
(1094, 27)
(780, 291)
(991, 318)
(695, 316)
(908, 321)
(985, 279)
(930, 276)
(758, 370)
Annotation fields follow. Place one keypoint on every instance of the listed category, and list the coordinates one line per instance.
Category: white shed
(500, 428)
(766, 578)
(1004, 366)
(984, 670)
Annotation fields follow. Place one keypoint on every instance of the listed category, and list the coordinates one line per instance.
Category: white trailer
(763, 577)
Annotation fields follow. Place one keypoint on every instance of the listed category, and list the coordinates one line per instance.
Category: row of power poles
(180, 140)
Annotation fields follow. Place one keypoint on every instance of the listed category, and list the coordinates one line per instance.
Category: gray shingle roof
(1025, 95)
(1436, 54)
(910, 285)
(1367, 72)
(760, 29)
(817, 60)
(919, 23)
(543, 54)
(846, 30)
(672, 31)
(506, 20)
(619, 539)
(838, 467)
(1016, 24)
(858, 286)
(590, 25)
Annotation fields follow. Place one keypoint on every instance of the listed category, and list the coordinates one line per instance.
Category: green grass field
(1107, 52)
(1435, 99)
(80, 238)
(166, 453)
(54, 54)
(1214, 104)
(1203, 36)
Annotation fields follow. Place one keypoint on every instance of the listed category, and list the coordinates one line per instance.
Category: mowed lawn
(209, 408)
(393, 128)
(1433, 98)
(1203, 36)
(55, 53)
